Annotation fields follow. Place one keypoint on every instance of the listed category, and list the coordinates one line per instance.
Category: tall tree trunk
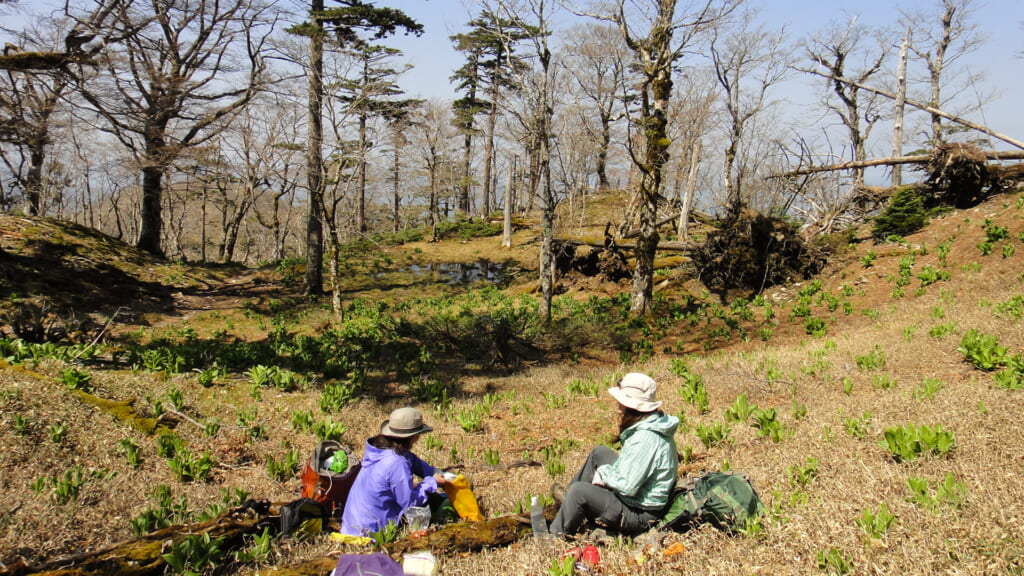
(602, 152)
(314, 158)
(901, 100)
(151, 221)
(34, 180)
(506, 229)
(361, 210)
(691, 187)
(492, 118)
(396, 197)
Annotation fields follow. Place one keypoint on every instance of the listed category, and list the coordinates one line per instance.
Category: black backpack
(303, 518)
(725, 500)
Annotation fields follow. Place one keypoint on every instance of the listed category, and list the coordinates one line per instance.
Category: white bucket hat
(403, 423)
(636, 391)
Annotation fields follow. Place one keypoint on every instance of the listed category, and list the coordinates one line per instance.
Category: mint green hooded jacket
(645, 472)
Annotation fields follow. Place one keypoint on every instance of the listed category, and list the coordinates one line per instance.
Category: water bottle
(537, 520)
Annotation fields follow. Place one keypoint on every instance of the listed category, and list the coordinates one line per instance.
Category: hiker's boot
(558, 493)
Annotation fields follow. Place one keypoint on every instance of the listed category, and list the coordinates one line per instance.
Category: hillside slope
(868, 348)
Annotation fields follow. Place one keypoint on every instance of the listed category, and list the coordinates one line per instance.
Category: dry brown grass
(982, 536)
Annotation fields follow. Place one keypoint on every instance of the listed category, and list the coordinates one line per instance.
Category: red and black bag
(321, 484)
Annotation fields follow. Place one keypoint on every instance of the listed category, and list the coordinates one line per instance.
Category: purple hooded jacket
(384, 489)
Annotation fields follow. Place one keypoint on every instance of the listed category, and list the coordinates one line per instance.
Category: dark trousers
(586, 502)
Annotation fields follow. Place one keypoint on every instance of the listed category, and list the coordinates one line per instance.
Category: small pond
(454, 273)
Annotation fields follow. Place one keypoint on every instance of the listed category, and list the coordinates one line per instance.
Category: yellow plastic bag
(462, 497)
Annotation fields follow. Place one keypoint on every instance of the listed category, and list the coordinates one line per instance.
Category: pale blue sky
(999, 57)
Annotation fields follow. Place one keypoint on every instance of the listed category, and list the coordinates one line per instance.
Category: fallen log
(695, 216)
(668, 246)
(918, 159)
(456, 538)
(143, 556)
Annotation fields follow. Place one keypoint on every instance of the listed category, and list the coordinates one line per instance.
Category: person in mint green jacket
(625, 491)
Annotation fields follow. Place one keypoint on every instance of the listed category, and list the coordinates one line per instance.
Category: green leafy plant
(386, 535)
(176, 397)
(259, 550)
(712, 434)
(301, 420)
(75, 379)
(131, 453)
(1014, 307)
(492, 457)
(907, 443)
(337, 395)
(194, 554)
(584, 388)
(58, 432)
(929, 275)
(767, 423)
(858, 427)
(471, 418)
(815, 326)
(868, 259)
(1012, 376)
(834, 561)
(982, 350)
(943, 329)
(882, 381)
(329, 430)
(22, 424)
(935, 495)
(167, 445)
(928, 388)
(168, 512)
(876, 523)
(801, 475)
(740, 409)
(189, 468)
(693, 390)
(285, 468)
(562, 566)
(429, 390)
(873, 360)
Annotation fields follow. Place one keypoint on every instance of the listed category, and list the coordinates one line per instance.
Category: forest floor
(885, 354)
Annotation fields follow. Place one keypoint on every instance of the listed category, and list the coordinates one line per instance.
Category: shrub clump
(904, 215)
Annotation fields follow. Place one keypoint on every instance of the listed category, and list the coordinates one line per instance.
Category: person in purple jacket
(384, 488)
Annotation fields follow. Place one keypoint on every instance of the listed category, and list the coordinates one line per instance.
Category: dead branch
(921, 106)
(920, 159)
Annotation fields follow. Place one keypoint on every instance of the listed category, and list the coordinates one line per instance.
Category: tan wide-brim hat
(403, 423)
(636, 391)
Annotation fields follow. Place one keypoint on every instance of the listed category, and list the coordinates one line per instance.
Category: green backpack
(725, 500)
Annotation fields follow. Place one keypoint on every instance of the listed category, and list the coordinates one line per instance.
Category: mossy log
(446, 539)
(466, 536)
(143, 556)
(124, 411)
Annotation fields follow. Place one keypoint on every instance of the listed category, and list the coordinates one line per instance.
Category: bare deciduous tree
(657, 37)
(850, 52)
(940, 39)
(179, 72)
(747, 60)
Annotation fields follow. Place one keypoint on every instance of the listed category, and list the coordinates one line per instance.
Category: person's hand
(441, 480)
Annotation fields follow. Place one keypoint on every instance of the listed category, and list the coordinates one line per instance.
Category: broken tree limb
(917, 159)
(143, 556)
(921, 106)
(698, 216)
